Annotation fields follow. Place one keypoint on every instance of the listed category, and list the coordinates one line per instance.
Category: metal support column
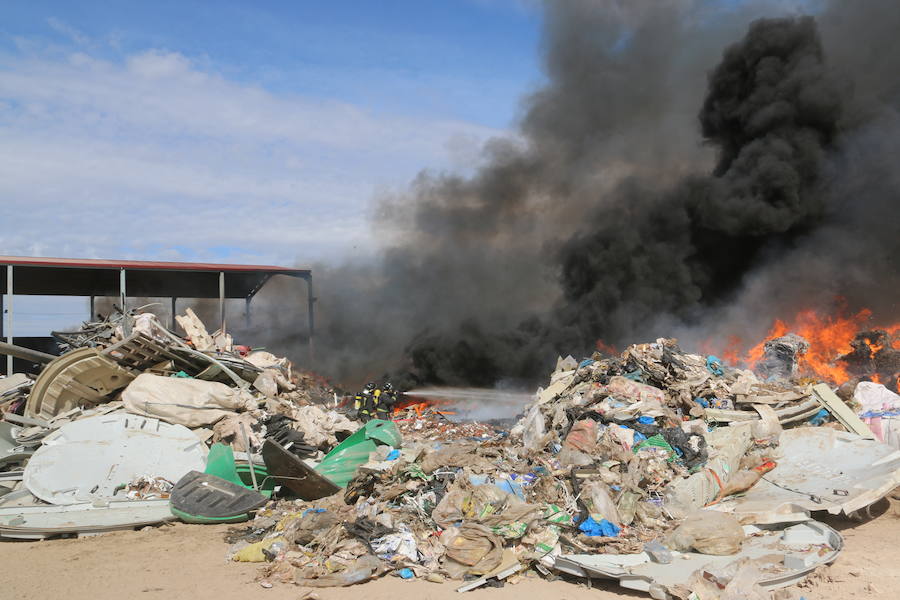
(310, 303)
(222, 301)
(172, 320)
(9, 317)
(123, 296)
(247, 312)
(91, 310)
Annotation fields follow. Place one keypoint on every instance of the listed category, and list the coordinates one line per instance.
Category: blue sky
(244, 132)
(154, 108)
(393, 56)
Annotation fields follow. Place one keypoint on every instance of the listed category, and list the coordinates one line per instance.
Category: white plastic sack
(877, 405)
(188, 402)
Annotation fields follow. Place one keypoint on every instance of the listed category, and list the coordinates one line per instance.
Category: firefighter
(364, 403)
(386, 399)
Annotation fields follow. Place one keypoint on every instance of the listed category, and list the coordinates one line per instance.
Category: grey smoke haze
(686, 169)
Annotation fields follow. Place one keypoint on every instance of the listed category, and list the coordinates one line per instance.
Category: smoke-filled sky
(678, 168)
(685, 170)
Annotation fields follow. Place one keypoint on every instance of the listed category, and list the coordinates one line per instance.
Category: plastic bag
(738, 580)
(627, 506)
(708, 532)
(603, 528)
(623, 388)
(534, 429)
(658, 553)
(256, 552)
(582, 436)
(880, 408)
(601, 502)
(474, 548)
(362, 569)
(400, 543)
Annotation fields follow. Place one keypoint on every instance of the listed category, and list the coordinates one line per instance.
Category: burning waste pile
(672, 472)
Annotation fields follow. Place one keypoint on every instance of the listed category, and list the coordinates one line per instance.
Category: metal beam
(123, 296)
(310, 312)
(222, 301)
(92, 316)
(247, 311)
(172, 321)
(9, 321)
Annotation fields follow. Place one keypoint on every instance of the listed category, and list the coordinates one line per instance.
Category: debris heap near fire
(620, 463)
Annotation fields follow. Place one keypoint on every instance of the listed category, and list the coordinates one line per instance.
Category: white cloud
(67, 30)
(154, 156)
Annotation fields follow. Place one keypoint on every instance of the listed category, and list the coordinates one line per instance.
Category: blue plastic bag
(714, 364)
(819, 418)
(602, 528)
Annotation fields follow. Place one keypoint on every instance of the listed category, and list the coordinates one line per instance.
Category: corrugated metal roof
(93, 263)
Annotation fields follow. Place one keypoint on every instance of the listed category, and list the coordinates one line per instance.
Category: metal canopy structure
(37, 276)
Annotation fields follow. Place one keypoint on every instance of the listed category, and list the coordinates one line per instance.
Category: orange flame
(606, 348)
(829, 338)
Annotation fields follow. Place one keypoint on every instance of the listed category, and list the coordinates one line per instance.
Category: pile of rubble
(671, 472)
(659, 468)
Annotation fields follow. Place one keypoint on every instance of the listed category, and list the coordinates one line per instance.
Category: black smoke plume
(620, 213)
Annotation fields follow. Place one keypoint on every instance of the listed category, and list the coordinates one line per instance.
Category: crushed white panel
(90, 458)
(821, 469)
(790, 553)
(38, 522)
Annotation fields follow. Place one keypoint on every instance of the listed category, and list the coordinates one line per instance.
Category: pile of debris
(99, 437)
(671, 472)
(422, 422)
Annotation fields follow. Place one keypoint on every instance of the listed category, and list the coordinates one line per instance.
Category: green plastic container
(341, 463)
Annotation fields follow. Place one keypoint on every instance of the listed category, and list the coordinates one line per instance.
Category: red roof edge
(92, 263)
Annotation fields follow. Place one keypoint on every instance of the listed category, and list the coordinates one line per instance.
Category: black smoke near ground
(620, 212)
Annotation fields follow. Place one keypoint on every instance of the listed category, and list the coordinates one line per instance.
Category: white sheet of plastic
(821, 469)
(37, 522)
(793, 552)
(90, 458)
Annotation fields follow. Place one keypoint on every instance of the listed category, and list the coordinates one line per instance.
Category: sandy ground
(188, 561)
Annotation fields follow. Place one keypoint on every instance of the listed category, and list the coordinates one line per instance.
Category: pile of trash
(422, 422)
(99, 437)
(671, 472)
(674, 473)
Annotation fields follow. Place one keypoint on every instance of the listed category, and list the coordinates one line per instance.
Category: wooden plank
(841, 411)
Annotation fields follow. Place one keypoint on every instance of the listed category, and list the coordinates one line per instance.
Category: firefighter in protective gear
(388, 399)
(364, 403)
